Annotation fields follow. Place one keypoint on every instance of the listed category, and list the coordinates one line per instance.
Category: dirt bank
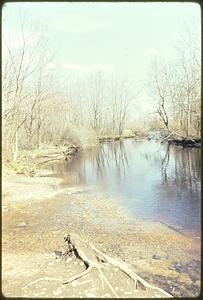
(37, 213)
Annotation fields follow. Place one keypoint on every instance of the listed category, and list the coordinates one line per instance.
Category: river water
(150, 180)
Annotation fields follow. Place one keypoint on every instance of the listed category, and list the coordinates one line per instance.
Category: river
(150, 180)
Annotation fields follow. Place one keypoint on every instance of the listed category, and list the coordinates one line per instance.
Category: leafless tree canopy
(36, 111)
(177, 88)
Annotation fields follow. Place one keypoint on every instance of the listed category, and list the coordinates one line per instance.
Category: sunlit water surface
(151, 180)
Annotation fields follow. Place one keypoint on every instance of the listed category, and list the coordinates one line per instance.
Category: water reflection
(71, 172)
(186, 170)
(152, 180)
(164, 165)
(113, 156)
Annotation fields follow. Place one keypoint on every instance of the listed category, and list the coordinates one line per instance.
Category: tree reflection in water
(184, 170)
(179, 189)
(71, 172)
(152, 180)
(112, 156)
(98, 162)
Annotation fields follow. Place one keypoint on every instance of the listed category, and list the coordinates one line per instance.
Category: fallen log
(183, 141)
(66, 154)
(49, 160)
(170, 134)
(188, 142)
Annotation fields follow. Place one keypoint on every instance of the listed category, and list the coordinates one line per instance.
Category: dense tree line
(36, 111)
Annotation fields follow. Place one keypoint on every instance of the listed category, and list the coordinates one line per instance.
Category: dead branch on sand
(93, 258)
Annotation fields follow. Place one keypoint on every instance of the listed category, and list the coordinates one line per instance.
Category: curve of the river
(150, 180)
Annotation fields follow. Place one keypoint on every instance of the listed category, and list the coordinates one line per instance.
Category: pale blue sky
(118, 38)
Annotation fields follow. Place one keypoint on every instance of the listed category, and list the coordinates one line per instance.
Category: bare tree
(120, 101)
(177, 86)
(161, 109)
(20, 67)
(96, 88)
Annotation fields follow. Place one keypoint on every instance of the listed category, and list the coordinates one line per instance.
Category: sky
(116, 38)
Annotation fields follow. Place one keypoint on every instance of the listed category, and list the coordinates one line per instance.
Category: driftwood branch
(93, 258)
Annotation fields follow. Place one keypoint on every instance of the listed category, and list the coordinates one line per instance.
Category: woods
(24, 90)
(177, 86)
(101, 138)
(37, 109)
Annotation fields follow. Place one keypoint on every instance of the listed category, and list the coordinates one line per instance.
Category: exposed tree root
(78, 275)
(93, 258)
(108, 283)
(123, 267)
(75, 246)
(41, 279)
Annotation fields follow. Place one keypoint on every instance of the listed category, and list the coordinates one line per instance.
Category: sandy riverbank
(37, 213)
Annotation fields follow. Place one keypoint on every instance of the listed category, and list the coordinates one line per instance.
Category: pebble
(58, 253)
(156, 257)
(107, 264)
(42, 293)
(197, 282)
(74, 283)
(177, 267)
(75, 263)
(22, 224)
(57, 292)
(127, 293)
(91, 295)
(68, 259)
(107, 295)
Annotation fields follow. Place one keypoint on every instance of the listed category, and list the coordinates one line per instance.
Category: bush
(18, 166)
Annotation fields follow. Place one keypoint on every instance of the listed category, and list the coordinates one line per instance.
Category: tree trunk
(15, 147)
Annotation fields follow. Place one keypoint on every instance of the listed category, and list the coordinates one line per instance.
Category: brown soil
(34, 227)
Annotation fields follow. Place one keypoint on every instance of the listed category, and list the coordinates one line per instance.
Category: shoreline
(38, 224)
(184, 141)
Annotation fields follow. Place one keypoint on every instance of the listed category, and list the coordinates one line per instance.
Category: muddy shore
(38, 211)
